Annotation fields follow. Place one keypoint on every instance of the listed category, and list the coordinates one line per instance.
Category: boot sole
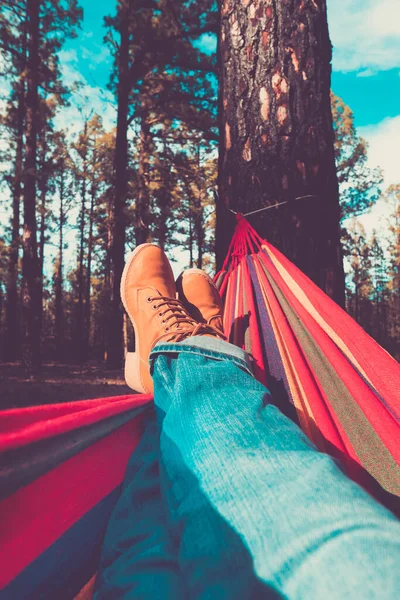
(132, 359)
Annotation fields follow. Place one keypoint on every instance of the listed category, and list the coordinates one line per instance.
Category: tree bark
(59, 308)
(276, 134)
(142, 202)
(42, 227)
(89, 261)
(12, 333)
(117, 250)
(30, 268)
(80, 337)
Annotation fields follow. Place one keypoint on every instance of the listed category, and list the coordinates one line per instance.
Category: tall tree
(359, 288)
(276, 134)
(46, 24)
(155, 43)
(30, 263)
(62, 176)
(392, 198)
(359, 185)
(15, 122)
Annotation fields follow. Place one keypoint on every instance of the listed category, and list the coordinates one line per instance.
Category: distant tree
(153, 60)
(359, 185)
(277, 138)
(14, 124)
(392, 198)
(64, 196)
(359, 287)
(13, 47)
(45, 25)
(3, 283)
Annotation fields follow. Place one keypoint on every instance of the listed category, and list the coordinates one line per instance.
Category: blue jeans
(226, 498)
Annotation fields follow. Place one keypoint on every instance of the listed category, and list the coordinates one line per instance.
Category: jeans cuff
(210, 347)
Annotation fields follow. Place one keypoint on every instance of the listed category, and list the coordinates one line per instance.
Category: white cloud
(384, 147)
(384, 150)
(364, 34)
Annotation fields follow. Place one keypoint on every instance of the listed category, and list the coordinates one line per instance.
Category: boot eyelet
(155, 307)
(148, 299)
(167, 329)
(163, 321)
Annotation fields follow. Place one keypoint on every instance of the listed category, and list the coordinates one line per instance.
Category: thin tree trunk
(117, 250)
(30, 270)
(12, 333)
(276, 129)
(59, 309)
(190, 240)
(200, 236)
(89, 264)
(42, 228)
(142, 203)
(80, 336)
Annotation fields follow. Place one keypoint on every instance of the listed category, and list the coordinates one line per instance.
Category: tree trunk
(276, 134)
(80, 337)
(190, 239)
(142, 202)
(59, 309)
(42, 228)
(199, 230)
(12, 333)
(30, 269)
(89, 262)
(117, 250)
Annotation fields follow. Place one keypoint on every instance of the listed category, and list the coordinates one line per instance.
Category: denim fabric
(252, 509)
(138, 558)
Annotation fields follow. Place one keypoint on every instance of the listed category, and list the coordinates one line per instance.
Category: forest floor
(58, 383)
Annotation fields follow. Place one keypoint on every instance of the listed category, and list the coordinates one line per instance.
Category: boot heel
(132, 372)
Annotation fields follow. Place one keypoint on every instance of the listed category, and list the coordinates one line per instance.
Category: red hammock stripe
(76, 485)
(26, 426)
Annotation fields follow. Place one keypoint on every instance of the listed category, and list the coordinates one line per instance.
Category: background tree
(359, 185)
(392, 198)
(154, 60)
(276, 141)
(63, 187)
(45, 25)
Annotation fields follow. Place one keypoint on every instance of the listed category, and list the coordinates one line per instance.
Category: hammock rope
(62, 466)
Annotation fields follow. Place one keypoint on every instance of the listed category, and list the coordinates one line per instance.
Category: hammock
(62, 466)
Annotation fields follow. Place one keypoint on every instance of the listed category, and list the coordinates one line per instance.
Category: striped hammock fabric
(62, 466)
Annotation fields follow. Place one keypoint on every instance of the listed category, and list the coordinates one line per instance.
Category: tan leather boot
(148, 293)
(200, 297)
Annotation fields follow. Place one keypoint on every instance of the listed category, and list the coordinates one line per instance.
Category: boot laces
(178, 321)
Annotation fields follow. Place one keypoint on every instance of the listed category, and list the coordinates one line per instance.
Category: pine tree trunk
(89, 265)
(59, 310)
(12, 333)
(30, 269)
(200, 235)
(81, 350)
(42, 230)
(276, 135)
(114, 349)
(142, 202)
(191, 262)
